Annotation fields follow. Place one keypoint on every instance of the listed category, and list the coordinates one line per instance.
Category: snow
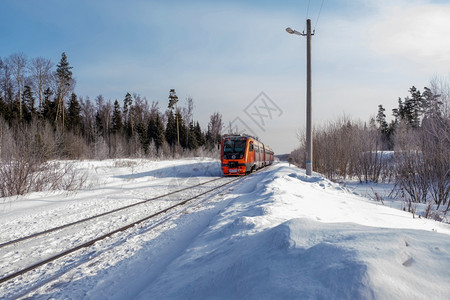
(277, 234)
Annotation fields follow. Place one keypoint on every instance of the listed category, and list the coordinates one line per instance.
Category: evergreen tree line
(36, 96)
(412, 150)
(412, 113)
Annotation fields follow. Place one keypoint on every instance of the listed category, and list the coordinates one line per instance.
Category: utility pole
(309, 142)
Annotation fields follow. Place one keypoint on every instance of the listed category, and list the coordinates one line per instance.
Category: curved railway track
(16, 243)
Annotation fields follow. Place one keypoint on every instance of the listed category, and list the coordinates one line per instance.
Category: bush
(25, 166)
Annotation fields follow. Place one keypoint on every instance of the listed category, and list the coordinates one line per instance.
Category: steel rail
(100, 215)
(93, 241)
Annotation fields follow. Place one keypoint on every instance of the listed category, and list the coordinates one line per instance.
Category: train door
(263, 159)
(250, 156)
(258, 156)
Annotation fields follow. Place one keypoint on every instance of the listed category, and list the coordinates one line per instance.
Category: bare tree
(441, 87)
(88, 119)
(17, 64)
(2, 128)
(22, 159)
(142, 109)
(344, 149)
(41, 75)
(369, 156)
(2, 66)
(187, 112)
(412, 179)
(104, 115)
(6, 84)
(215, 128)
(436, 153)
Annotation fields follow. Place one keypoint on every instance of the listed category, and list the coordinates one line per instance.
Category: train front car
(235, 155)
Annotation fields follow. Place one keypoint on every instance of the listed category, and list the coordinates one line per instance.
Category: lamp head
(290, 30)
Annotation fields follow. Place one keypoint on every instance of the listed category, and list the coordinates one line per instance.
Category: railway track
(34, 235)
(159, 216)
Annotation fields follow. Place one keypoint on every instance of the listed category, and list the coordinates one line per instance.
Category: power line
(318, 16)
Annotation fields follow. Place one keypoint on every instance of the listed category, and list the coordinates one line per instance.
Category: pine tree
(431, 104)
(381, 119)
(151, 128)
(49, 111)
(74, 114)
(192, 140)
(171, 129)
(128, 114)
(103, 119)
(183, 131)
(155, 130)
(159, 137)
(65, 82)
(410, 110)
(398, 113)
(416, 103)
(100, 129)
(385, 129)
(173, 100)
(141, 130)
(199, 136)
(116, 118)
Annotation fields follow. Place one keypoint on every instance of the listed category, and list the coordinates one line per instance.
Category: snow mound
(306, 259)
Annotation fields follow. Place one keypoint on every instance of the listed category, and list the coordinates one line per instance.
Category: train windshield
(234, 145)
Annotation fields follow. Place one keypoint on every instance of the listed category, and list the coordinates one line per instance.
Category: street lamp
(309, 143)
(292, 31)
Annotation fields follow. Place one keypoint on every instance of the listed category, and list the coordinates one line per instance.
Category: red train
(243, 154)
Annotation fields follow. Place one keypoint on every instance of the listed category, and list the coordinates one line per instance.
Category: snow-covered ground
(277, 234)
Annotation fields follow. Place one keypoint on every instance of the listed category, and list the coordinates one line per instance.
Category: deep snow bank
(289, 236)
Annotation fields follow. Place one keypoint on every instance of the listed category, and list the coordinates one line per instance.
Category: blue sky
(223, 54)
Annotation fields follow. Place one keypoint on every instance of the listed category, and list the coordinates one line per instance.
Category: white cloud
(416, 33)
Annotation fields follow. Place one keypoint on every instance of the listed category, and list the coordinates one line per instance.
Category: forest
(34, 96)
(43, 120)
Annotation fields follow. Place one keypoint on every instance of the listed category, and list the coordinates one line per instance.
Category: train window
(239, 146)
(228, 146)
(251, 147)
(234, 146)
